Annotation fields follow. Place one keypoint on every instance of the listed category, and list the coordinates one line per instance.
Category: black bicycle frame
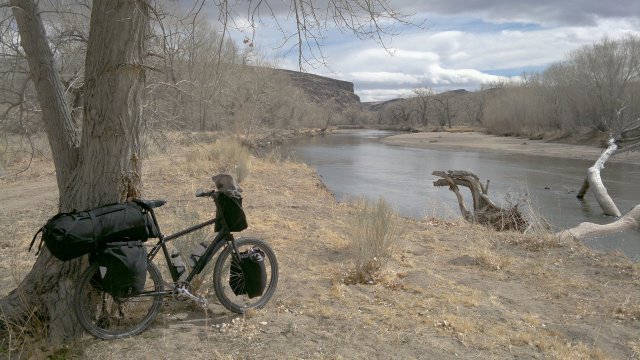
(216, 244)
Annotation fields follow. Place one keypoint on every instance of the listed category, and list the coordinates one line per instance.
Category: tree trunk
(109, 169)
(61, 130)
(106, 167)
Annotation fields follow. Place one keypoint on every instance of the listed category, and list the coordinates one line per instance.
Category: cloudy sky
(462, 44)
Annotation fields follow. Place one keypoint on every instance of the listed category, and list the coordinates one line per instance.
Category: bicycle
(108, 317)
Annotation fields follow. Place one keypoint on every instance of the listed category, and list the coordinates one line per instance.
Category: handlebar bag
(248, 275)
(231, 206)
(70, 235)
(122, 268)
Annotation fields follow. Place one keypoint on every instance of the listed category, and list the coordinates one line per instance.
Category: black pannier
(248, 276)
(70, 235)
(232, 210)
(122, 268)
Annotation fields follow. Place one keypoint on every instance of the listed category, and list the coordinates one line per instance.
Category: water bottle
(177, 263)
(197, 253)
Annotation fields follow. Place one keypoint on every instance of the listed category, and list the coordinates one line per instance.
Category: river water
(355, 163)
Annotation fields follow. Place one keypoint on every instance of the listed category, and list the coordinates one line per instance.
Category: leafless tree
(101, 164)
(446, 109)
(423, 99)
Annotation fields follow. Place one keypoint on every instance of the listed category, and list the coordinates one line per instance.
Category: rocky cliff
(323, 90)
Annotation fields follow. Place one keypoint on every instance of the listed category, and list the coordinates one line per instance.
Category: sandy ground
(478, 142)
(449, 290)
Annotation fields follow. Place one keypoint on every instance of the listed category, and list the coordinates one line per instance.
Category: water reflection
(586, 209)
(356, 163)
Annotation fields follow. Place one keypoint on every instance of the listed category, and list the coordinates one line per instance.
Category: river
(355, 163)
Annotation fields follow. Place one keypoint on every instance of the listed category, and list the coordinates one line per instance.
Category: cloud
(464, 43)
(453, 59)
(545, 12)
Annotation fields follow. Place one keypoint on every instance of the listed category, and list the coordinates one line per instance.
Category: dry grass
(374, 230)
(24, 157)
(222, 156)
(449, 290)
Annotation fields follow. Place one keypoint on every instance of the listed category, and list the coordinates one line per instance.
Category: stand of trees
(596, 87)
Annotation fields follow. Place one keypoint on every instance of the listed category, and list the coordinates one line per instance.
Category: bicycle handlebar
(202, 193)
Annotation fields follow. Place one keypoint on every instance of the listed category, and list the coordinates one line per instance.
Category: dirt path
(478, 142)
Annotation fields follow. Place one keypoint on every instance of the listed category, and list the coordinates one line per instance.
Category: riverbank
(479, 142)
(451, 290)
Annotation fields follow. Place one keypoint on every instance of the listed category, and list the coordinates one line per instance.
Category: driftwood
(586, 229)
(625, 140)
(607, 204)
(485, 211)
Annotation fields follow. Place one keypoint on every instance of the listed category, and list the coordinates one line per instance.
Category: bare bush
(374, 230)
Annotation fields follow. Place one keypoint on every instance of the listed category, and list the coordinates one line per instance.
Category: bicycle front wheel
(106, 317)
(224, 277)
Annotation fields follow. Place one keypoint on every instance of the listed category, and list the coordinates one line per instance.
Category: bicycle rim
(222, 275)
(107, 317)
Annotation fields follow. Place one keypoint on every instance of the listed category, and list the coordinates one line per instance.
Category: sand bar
(479, 142)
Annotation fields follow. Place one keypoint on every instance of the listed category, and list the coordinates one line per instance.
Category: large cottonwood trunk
(105, 166)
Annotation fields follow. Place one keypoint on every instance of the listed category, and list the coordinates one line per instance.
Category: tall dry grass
(222, 156)
(374, 231)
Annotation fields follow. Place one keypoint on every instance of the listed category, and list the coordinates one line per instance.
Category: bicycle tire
(106, 317)
(221, 274)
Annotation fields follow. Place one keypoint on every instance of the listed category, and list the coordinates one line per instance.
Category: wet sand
(478, 142)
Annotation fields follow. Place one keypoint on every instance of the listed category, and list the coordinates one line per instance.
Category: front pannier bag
(122, 268)
(70, 235)
(248, 276)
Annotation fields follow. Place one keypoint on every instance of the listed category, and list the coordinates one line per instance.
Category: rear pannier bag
(122, 268)
(70, 235)
(248, 276)
(235, 217)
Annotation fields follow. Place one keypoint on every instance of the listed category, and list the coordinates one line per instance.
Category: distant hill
(380, 105)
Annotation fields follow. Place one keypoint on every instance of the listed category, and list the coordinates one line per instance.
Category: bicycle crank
(182, 293)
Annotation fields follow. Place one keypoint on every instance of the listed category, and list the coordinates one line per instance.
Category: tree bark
(105, 167)
(109, 169)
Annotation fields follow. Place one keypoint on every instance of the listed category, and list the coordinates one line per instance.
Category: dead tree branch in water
(485, 211)
(630, 137)
(593, 177)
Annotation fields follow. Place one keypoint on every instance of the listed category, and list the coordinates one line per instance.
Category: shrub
(374, 230)
(223, 156)
(233, 158)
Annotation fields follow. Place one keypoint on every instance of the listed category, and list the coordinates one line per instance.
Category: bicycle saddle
(149, 204)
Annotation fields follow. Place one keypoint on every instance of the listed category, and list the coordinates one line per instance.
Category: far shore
(479, 142)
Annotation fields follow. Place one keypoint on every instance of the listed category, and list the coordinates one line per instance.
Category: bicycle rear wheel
(222, 274)
(106, 317)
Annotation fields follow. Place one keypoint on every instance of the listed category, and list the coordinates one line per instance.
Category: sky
(461, 44)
